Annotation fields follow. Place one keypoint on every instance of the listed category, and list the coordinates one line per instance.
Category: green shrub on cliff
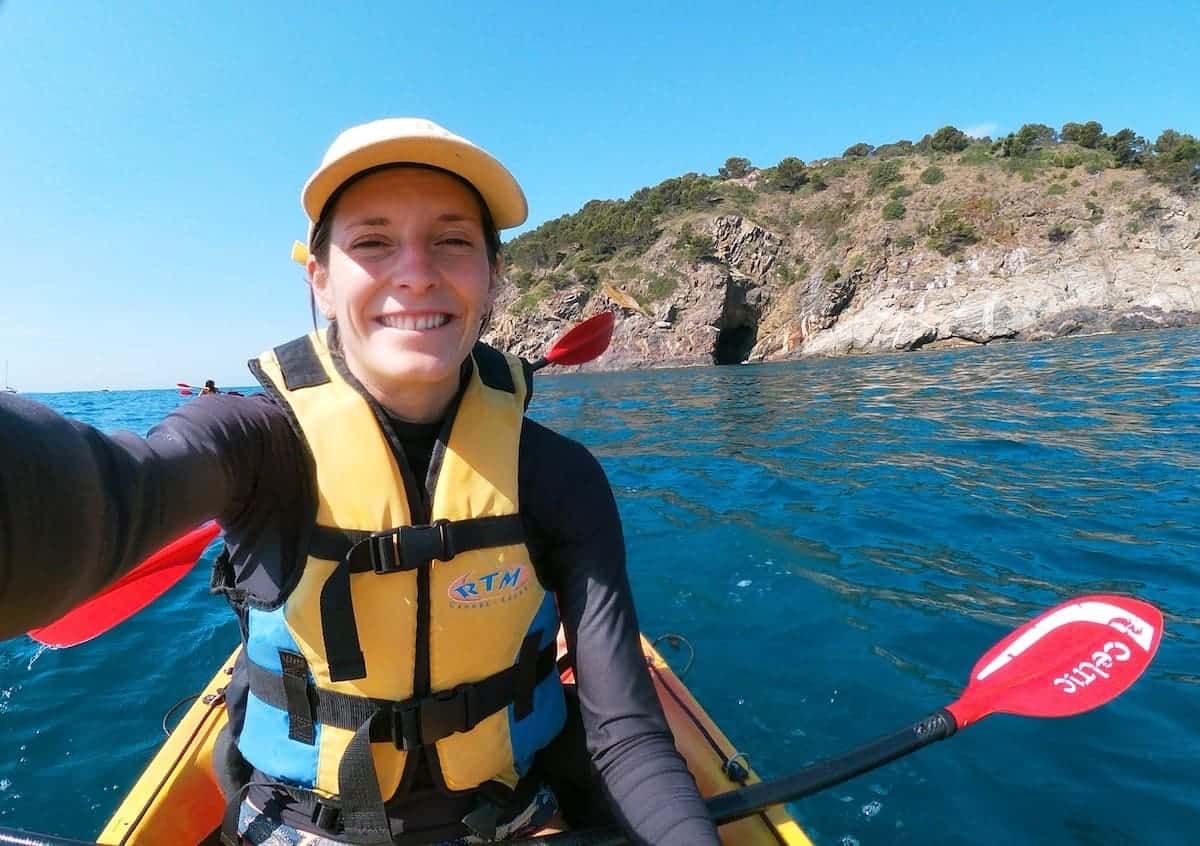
(738, 194)
(1090, 134)
(528, 301)
(883, 174)
(949, 139)
(789, 175)
(976, 154)
(694, 245)
(949, 233)
(1067, 159)
(894, 210)
(1177, 162)
(932, 175)
(1027, 166)
(1059, 233)
(789, 273)
(735, 167)
(657, 287)
(894, 150)
(1030, 137)
(816, 181)
(1127, 147)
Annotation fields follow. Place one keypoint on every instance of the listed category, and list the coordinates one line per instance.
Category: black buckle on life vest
(425, 721)
(326, 817)
(410, 547)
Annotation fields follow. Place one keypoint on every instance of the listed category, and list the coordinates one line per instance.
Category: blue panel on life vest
(265, 744)
(264, 741)
(269, 633)
(549, 709)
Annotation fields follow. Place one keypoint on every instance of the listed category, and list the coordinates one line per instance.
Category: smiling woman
(402, 544)
(408, 277)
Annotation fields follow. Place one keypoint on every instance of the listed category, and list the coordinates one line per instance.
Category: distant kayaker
(401, 542)
(210, 387)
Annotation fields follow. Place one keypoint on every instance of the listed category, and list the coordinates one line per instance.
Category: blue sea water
(840, 540)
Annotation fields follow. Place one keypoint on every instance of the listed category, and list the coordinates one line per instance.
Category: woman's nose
(413, 268)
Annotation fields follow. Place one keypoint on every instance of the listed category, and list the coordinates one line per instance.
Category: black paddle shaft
(825, 774)
(727, 807)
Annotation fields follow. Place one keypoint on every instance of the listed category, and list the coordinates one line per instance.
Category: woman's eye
(455, 242)
(369, 243)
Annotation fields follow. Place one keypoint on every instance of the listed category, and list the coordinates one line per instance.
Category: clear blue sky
(151, 153)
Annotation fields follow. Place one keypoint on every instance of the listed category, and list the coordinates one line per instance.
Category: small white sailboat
(6, 388)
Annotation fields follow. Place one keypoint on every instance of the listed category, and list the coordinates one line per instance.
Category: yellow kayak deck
(176, 800)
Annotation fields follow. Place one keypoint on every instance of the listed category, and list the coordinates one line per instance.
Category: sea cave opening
(734, 344)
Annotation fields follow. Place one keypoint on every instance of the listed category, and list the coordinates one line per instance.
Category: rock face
(825, 274)
(1091, 284)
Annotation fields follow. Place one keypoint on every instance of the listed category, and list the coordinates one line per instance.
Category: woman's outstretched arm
(79, 508)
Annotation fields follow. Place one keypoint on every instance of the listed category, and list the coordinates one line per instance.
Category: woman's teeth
(414, 322)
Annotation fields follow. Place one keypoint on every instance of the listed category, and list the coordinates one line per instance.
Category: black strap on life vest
(483, 809)
(397, 550)
(294, 686)
(409, 724)
(300, 365)
(493, 368)
(408, 547)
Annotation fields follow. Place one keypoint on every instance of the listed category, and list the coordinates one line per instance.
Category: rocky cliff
(859, 255)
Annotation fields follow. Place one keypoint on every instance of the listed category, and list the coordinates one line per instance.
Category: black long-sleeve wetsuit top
(78, 508)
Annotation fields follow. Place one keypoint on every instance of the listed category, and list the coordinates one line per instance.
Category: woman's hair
(319, 241)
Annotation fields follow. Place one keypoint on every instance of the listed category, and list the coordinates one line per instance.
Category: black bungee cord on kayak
(167, 716)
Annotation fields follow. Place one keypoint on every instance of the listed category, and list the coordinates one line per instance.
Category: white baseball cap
(414, 141)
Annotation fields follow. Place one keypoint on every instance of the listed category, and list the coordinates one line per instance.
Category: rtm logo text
(488, 586)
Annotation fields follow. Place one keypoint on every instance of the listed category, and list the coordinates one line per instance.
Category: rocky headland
(903, 247)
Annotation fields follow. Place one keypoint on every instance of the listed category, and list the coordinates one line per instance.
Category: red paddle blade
(182, 385)
(1071, 659)
(184, 392)
(129, 594)
(585, 342)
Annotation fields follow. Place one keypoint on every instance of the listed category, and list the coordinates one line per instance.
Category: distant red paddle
(130, 593)
(1073, 658)
(585, 342)
(155, 576)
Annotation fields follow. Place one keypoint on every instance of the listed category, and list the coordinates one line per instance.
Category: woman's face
(408, 281)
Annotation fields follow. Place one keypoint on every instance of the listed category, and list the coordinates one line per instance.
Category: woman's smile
(414, 321)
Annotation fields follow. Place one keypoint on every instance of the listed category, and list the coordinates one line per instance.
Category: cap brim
(498, 187)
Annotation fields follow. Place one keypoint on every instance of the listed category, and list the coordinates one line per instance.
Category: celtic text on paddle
(1086, 672)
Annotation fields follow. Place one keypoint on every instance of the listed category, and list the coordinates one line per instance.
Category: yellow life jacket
(405, 629)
